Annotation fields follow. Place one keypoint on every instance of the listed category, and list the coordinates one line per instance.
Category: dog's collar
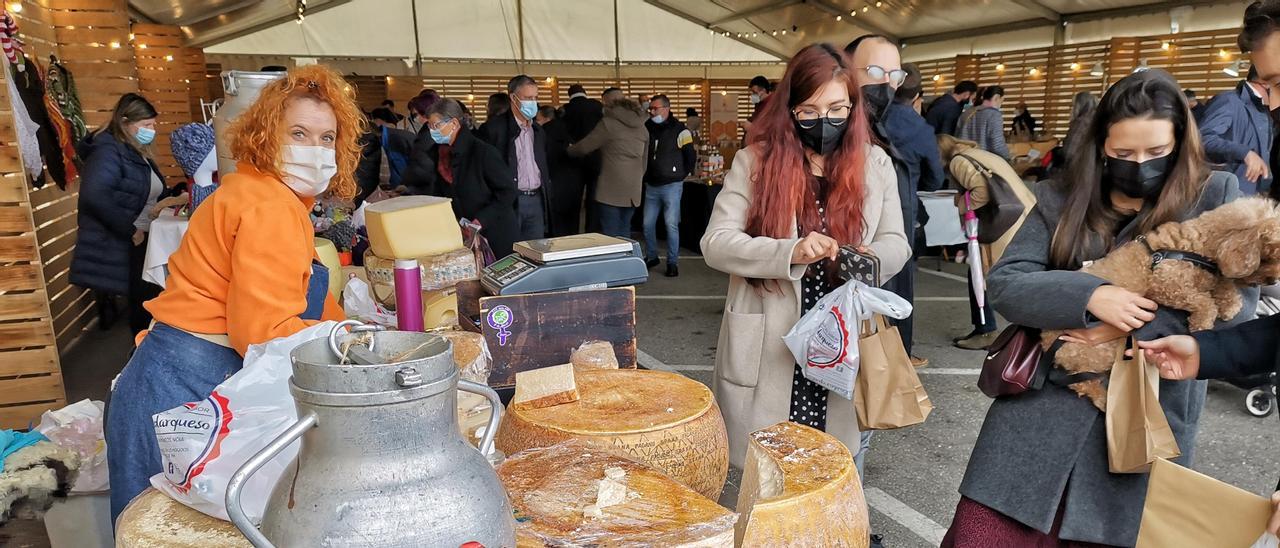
(1160, 255)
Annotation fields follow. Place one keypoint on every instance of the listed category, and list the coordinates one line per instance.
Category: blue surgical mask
(439, 138)
(145, 135)
(658, 119)
(529, 108)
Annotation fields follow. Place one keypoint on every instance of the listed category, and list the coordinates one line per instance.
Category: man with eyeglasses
(524, 147)
(877, 66)
(1237, 132)
(671, 159)
(984, 124)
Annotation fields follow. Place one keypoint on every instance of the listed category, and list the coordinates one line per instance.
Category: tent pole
(520, 27)
(417, 45)
(617, 52)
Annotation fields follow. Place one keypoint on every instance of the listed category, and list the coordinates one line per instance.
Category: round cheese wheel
(800, 488)
(153, 520)
(665, 420)
(550, 490)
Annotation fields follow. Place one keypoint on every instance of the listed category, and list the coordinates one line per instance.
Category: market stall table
(166, 235)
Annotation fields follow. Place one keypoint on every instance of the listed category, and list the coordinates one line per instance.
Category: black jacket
(944, 114)
(483, 188)
(501, 132)
(581, 116)
(671, 153)
(114, 186)
(420, 173)
(1251, 348)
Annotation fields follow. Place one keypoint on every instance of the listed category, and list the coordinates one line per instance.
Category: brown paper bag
(1187, 508)
(887, 393)
(1137, 431)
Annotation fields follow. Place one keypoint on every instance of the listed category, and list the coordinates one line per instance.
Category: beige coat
(754, 369)
(972, 180)
(623, 142)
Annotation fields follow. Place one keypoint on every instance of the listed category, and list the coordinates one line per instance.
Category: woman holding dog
(1038, 475)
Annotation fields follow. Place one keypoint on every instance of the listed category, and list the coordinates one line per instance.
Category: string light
(168, 58)
(142, 46)
(130, 34)
(1034, 71)
(1000, 67)
(866, 9)
(1075, 67)
(15, 7)
(879, 4)
(693, 87)
(115, 45)
(839, 18)
(1165, 46)
(1224, 54)
(937, 77)
(853, 13)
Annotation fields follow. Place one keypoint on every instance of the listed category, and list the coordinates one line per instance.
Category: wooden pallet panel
(28, 362)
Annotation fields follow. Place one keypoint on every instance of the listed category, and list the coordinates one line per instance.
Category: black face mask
(824, 136)
(1137, 180)
(877, 97)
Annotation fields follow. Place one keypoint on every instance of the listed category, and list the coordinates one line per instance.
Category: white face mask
(308, 169)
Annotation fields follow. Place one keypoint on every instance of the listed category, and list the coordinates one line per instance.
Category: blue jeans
(666, 198)
(616, 221)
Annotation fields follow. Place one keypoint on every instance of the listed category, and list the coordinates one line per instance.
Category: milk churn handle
(235, 486)
(486, 444)
(357, 326)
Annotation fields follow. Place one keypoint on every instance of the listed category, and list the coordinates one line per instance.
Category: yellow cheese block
(549, 488)
(328, 254)
(440, 308)
(153, 520)
(665, 420)
(800, 488)
(412, 226)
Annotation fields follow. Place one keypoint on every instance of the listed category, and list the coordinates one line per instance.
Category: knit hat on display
(191, 145)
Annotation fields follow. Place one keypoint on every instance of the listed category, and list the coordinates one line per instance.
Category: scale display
(593, 262)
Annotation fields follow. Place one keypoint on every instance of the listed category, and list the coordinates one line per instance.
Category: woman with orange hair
(809, 181)
(246, 271)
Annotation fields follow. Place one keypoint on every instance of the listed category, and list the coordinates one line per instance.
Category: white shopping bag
(825, 340)
(358, 303)
(203, 443)
(78, 427)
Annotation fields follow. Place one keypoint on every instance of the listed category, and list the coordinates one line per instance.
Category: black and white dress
(809, 399)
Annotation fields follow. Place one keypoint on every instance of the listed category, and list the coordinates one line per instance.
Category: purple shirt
(528, 176)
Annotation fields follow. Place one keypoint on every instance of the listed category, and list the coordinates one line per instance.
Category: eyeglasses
(438, 125)
(876, 72)
(809, 117)
(655, 110)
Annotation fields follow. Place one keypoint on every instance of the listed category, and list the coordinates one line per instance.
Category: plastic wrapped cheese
(438, 271)
(800, 488)
(412, 226)
(595, 354)
(665, 420)
(550, 489)
(471, 355)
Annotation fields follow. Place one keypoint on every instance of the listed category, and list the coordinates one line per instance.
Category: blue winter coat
(114, 185)
(1233, 126)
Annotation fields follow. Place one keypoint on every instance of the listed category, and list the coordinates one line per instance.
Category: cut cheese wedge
(412, 226)
(800, 488)
(550, 489)
(665, 420)
(546, 387)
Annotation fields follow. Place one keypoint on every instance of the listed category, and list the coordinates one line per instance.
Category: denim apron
(171, 367)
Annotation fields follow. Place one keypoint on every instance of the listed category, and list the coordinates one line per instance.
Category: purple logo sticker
(501, 318)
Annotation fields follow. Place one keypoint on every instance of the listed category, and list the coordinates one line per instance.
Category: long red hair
(782, 191)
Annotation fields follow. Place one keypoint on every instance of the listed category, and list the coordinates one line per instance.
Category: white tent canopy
(553, 30)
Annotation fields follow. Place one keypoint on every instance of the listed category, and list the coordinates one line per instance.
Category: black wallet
(854, 265)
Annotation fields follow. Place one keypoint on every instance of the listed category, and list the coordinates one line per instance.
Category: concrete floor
(912, 474)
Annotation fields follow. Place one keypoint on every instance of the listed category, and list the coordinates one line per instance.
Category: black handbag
(1003, 208)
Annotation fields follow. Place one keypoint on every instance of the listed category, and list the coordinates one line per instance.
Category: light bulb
(1000, 66)
(1075, 66)
(839, 18)
(15, 7)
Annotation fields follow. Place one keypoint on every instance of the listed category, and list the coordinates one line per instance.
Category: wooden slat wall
(162, 79)
(371, 91)
(30, 372)
(194, 75)
(1196, 59)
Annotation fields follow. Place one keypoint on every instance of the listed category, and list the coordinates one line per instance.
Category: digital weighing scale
(585, 261)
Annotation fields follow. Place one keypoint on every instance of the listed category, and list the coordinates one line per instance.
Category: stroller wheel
(1260, 402)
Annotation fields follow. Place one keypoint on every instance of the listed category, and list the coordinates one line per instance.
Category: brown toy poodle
(1242, 238)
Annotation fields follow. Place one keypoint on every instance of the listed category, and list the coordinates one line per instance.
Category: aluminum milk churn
(382, 462)
(240, 89)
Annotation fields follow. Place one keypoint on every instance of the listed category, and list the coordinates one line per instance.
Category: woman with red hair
(246, 271)
(809, 181)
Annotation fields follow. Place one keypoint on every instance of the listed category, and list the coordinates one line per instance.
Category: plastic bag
(203, 443)
(78, 427)
(473, 240)
(825, 340)
(358, 303)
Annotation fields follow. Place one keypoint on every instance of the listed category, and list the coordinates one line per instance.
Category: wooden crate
(541, 329)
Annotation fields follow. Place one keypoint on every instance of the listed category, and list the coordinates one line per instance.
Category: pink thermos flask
(408, 295)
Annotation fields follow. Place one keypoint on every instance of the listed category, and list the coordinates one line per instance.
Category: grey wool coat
(1043, 445)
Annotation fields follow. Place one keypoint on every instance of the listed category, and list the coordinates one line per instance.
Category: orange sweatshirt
(243, 267)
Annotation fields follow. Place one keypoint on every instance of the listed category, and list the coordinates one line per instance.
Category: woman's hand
(1273, 526)
(1093, 336)
(171, 201)
(1121, 308)
(138, 237)
(1178, 357)
(813, 248)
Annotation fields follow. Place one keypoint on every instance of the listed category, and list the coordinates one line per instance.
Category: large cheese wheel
(153, 520)
(800, 488)
(549, 489)
(665, 420)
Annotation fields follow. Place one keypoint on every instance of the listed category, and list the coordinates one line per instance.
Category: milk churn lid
(402, 359)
